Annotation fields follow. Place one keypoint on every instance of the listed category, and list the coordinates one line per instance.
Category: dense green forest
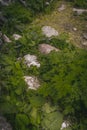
(62, 95)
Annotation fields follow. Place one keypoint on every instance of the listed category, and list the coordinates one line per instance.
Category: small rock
(46, 49)
(19, 58)
(84, 43)
(47, 3)
(75, 29)
(6, 39)
(61, 8)
(16, 36)
(31, 60)
(49, 31)
(64, 125)
(79, 11)
(85, 36)
(32, 82)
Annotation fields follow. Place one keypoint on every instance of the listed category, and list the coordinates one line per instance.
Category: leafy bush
(65, 82)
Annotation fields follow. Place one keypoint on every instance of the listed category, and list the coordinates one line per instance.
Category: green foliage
(65, 82)
(52, 118)
(81, 3)
(62, 76)
(16, 15)
(38, 6)
(21, 122)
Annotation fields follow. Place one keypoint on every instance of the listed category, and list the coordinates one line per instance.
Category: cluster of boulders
(31, 60)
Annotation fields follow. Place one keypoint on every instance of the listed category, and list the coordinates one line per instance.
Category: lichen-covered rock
(31, 60)
(4, 125)
(32, 82)
(16, 36)
(49, 31)
(46, 48)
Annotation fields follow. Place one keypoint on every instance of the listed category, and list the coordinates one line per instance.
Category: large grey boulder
(48, 31)
(4, 125)
(46, 48)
